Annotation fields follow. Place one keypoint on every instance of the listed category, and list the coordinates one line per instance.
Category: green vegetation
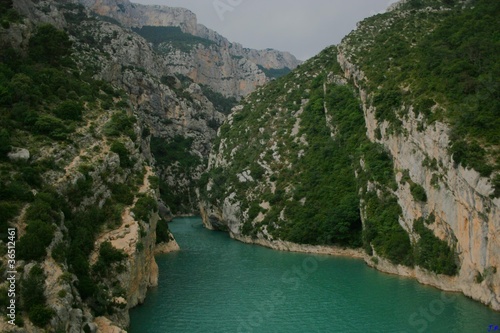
(122, 151)
(44, 93)
(122, 194)
(120, 124)
(177, 150)
(172, 36)
(275, 73)
(176, 155)
(315, 200)
(7, 14)
(41, 217)
(50, 46)
(144, 207)
(383, 231)
(221, 103)
(69, 110)
(45, 101)
(418, 192)
(432, 253)
(331, 213)
(442, 62)
(108, 255)
(162, 232)
(33, 298)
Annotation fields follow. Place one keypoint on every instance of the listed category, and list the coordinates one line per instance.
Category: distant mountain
(210, 59)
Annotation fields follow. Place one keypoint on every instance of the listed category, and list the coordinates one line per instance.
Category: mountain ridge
(138, 16)
(346, 142)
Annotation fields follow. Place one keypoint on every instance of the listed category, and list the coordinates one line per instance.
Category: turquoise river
(218, 285)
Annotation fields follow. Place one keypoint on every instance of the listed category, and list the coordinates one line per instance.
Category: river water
(218, 285)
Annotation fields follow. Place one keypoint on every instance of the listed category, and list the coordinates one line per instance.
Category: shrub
(33, 245)
(69, 110)
(383, 231)
(433, 253)
(41, 315)
(122, 193)
(109, 255)
(50, 46)
(122, 151)
(154, 181)
(471, 155)
(32, 289)
(8, 14)
(51, 126)
(162, 232)
(5, 143)
(59, 252)
(17, 191)
(496, 186)
(274, 73)
(177, 150)
(144, 207)
(220, 102)
(418, 192)
(120, 123)
(174, 36)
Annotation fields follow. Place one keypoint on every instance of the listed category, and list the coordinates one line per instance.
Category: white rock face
(459, 199)
(19, 154)
(226, 67)
(137, 15)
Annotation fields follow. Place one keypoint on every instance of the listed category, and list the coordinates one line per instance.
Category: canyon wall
(275, 153)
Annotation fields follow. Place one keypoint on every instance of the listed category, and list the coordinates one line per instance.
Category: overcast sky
(302, 27)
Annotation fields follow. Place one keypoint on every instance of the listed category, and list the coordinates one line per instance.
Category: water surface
(218, 285)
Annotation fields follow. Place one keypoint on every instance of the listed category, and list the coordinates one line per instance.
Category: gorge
(117, 117)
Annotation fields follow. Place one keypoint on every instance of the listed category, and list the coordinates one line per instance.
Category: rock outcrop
(136, 15)
(226, 67)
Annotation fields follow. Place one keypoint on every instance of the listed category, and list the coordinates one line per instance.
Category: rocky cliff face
(226, 67)
(95, 189)
(176, 89)
(137, 15)
(466, 215)
(460, 200)
(421, 195)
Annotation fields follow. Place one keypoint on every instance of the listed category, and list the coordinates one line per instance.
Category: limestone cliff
(226, 67)
(466, 214)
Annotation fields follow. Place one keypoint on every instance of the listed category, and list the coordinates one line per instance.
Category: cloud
(301, 27)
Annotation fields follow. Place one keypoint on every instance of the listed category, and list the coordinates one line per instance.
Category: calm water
(218, 285)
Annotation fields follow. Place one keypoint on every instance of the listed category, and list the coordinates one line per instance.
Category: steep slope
(210, 59)
(100, 143)
(78, 180)
(176, 81)
(172, 107)
(368, 145)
